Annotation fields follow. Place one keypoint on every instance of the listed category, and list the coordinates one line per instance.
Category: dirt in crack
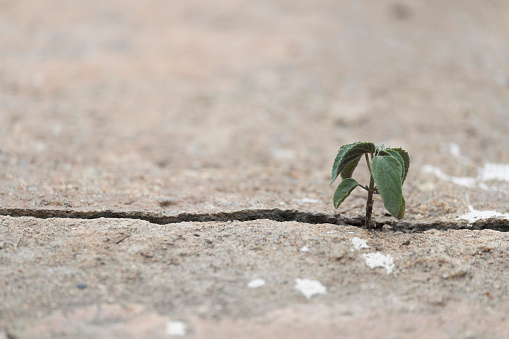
(280, 215)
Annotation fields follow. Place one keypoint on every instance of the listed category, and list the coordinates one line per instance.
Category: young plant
(388, 168)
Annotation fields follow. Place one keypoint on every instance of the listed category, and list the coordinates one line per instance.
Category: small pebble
(359, 243)
(81, 286)
(176, 328)
(256, 283)
(310, 287)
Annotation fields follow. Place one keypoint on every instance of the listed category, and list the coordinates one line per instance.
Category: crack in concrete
(275, 214)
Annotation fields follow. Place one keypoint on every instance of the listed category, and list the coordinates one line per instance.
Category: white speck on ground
(499, 172)
(461, 181)
(359, 243)
(490, 172)
(455, 150)
(332, 232)
(475, 215)
(256, 283)
(378, 259)
(308, 200)
(176, 328)
(304, 249)
(310, 287)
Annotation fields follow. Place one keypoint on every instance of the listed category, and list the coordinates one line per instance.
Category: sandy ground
(180, 110)
(119, 278)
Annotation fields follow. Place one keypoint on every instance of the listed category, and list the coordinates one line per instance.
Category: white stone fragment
(475, 215)
(359, 243)
(304, 249)
(176, 328)
(310, 287)
(256, 283)
(378, 259)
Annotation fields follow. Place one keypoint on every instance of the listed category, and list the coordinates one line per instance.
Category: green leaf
(386, 171)
(349, 153)
(401, 212)
(348, 171)
(398, 157)
(406, 159)
(343, 191)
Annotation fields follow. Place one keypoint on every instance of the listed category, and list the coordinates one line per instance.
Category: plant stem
(371, 191)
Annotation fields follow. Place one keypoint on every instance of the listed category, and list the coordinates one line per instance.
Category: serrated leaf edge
(339, 164)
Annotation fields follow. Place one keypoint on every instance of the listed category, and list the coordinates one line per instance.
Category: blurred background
(183, 99)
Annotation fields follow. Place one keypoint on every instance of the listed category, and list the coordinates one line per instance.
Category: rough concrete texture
(122, 278)
(222, 119)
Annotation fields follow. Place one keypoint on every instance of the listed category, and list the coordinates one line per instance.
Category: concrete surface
(124, 278)
(224, 118)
